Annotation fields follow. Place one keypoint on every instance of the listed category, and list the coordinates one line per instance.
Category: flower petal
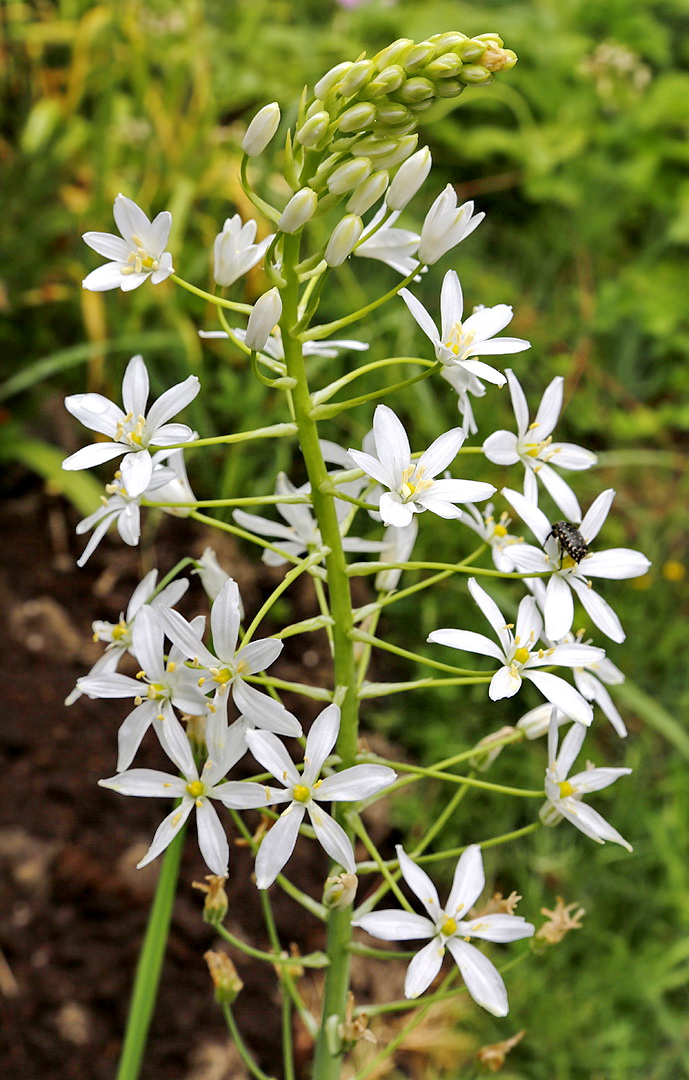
(562, 695)
(358, 782)
(272, 755)
(332, 837)
(466, 640)
(482, 978)
(167, 831)
(599, 610)
(212, 839)
(419, 883)
(468, 882)
(424, 968)
(396, 925)
(595, 517)
(278, 845)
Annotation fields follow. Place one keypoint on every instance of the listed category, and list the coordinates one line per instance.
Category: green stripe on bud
(356, 78)
(389, 80)
(358, 117)
(349, 175)
(368, 193)
(343, 240)
(416, 89)
(314, 129)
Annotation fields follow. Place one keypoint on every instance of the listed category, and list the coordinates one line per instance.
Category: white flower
(130, 430)
(157, 687)
(273, 347)
(137, 254)
(118, 636)
(121, 509)
(395, 247)
(195, 792)
(449, 928)
(234, 250)
(492, 532)
(521, 654)
(564, 794)
(533, 446)
(304, 793)
(413, 488)
(568, 576)
(229, 667)
(445, 226)
(264, 315)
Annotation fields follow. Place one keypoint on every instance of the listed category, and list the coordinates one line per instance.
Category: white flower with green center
(564, 793)
(492, 532)
(228, 668)
(304, 792)
(158, 686)
(521, 654)
(412, 484)
(118, 636)
(137, 254)
(450, 928)
(534, 447)
(195, 792)
(569, 577)
(131, 431)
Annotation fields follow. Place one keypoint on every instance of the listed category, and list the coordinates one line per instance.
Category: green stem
(325, 412)
(273, 431)
(242, 1048)
(326, 329)
(280, 959)
(150, 963)
(321, 396)
(219, 301)
(378, 643)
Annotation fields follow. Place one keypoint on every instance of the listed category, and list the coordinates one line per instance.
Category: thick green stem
(327, 1065)
(150, 963)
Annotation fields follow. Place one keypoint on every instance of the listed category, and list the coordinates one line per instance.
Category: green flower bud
(298, 211)
(491, 40)
(389, 80)
(392, 112)
(357, 117)
(402, 151)
(261, 129)
(331, 78)
(418, 56)
(373, 147)
(357, 77)
(416, 89)
(316, 106)
(368, 193)
(470, 50)
(393, 54)
(344, 239)
(421, 106)
(448, 88)
(314, 129)
(443, 67)
(475, 75)
(395, 131)
(448, 41)
(349, 175)
(339, 892)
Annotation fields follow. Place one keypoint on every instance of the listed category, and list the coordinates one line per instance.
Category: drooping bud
(343, 240)
(312, 130)
(226, 980)
(261, 129)
(264, 315)
(298, 211)
(368, 193)
(339, 891)
(409, 179)
(349, 175)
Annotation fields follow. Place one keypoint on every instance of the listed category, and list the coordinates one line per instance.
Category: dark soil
(73, 907)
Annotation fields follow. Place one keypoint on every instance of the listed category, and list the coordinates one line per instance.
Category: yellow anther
(222, 675)
(195, 789)
(521, 656)
(301, 793)
(119, 631)
(172, 666)
(566, 789)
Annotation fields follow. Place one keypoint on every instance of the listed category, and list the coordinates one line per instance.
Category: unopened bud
(264, 315)
(344, 238)
(448, 88)
(498, 59)
(418, 56)
(409, 178)
(211, 573)
(339, 891)
(215, 904)
(373, 147)
(470, 50)
(393, 53)
(416, 89)
(357, 117)
(357, 76)
(389, 80)
(448, 41)
(368, 193)
(298, 211)
(487, 751)
(475, 75)
(536, 722)
(312, 130)
(393, 112)
(331, 78)
(261, 129)
(350, 175)
(226, 980)
(443, 67)
(401, 152)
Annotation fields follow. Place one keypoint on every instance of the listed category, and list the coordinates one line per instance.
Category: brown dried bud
(225, 977)
(561, 920)
(216, 903)
(493, 1056)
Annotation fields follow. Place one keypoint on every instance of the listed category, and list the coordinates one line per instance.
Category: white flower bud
(313, 130)
(264, 315)
(357, 77)
(405, 146)
(298, 211)
(211, 573)
(344, 238)
(368, 193)
(350, 175)
(261, 129)
(536, 722)
(358, 117)
(331, 78)
(409, 179)
(445, 226)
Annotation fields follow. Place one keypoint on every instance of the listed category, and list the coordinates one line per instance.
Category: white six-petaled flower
(568, 576)
(564, 793)
(137, 254)
(533, 446)
(492, 532)
(445, 226)
(131, 431)
(394, 247)
(521, 654)
(450, 928)
(304, 792)
(412, 484)
(234, 250)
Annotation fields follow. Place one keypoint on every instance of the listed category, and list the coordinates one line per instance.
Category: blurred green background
(580, 156)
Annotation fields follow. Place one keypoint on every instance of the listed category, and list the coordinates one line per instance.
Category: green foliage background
(580, 156)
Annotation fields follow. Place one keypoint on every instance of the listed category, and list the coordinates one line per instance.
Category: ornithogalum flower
(304, 792)
(521, 654)
(234, 250)
(394, 247)
(450, 928)
(131, 430)
(568, 576)
(495, 533)
(412, 484)
(564, 793)
(533, 446)
(137, 254)
(445, 225)
(121, 509)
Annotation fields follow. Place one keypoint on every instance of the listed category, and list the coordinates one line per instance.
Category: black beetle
(570, 540)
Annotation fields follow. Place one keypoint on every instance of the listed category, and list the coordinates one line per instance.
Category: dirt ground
(72, 905)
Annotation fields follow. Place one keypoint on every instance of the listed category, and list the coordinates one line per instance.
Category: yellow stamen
(449, 927)
(521, 656)
(195, 789)
(301, 793)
